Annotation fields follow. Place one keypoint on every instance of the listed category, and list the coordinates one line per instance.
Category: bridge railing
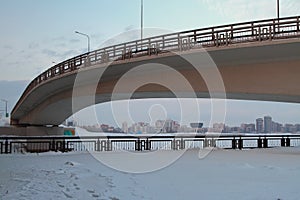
(143, 143)
(272, 29)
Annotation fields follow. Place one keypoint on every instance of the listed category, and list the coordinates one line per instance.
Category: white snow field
(224, 174)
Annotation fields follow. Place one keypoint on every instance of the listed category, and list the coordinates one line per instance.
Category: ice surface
(224, 174)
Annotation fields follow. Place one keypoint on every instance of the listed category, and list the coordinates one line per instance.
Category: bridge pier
(31, 131)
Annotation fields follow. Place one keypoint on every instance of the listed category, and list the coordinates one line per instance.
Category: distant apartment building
(125, 127)
(276, 127)
(159, 125)
(217, 127)
(170, 126)
(247, 128)
(297, 127)
(259, 125)
(268, 124)
(290, 128)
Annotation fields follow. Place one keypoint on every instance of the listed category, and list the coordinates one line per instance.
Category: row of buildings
(262, 125)
(267, 125)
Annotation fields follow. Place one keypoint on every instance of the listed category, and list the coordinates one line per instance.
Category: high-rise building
(290, 128)
(159, 125)
(268, 124)
(276, 127)
(259, 125)
(125, 127)
(218, 127)
(168, 126)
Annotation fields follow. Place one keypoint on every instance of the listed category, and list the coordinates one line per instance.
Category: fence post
(103, 145)
(298, 24)
(53, 145)
(205, 143)
(213, 142)
(147, 145)
(98, 145)
(240, 143)
(179, 43)
(182, 146)
(259, 143)
(226, 38)
(6, 146)
(259, 33)
(288, 142)
(265, 143)
(64, 145)
(233, 144)
(283, 142)
(137, 144)
(173, 144)
(108, 145)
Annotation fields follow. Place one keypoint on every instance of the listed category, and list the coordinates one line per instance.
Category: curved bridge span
(257, 60)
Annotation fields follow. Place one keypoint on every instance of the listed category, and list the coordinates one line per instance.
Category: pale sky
(34, 34)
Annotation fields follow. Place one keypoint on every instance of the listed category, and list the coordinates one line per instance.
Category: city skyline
(263, 124)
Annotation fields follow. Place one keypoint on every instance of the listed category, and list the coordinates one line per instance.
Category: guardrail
(272, 29)
(143, 143)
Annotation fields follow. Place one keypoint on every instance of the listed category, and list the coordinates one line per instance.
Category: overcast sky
(35, 34)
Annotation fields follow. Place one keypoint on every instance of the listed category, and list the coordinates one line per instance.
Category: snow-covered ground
(223, 174)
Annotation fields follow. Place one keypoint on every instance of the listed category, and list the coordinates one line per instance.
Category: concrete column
(44, 131)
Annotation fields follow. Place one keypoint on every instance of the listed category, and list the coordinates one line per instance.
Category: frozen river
(223, 174)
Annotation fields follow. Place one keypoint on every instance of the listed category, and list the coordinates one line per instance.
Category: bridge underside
(267, 71)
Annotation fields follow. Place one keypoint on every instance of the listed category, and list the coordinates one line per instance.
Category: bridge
(257, 60)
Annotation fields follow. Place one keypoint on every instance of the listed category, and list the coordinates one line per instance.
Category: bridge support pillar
(46, 145)
(44, 131)
(31, 131)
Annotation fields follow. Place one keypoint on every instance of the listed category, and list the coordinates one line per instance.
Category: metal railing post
(240, 143)
(298, 24)
(103, 145)
(265, 141)
(259, 33)
(98, 145)
(137, 144)
(182, 145)
(288, 142)
(6, 146)
(233, 143)
(259, 143)
(282, 142)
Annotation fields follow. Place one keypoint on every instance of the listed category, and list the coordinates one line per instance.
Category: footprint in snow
(91, 191)
(67, 195)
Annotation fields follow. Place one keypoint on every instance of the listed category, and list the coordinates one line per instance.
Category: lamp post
(142, 18)
(88, 37)
(6, 113)
(278, 16)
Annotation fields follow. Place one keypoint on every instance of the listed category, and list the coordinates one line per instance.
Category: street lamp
(142, 18)
(278, 10)
(6, 113)
(88, 37)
